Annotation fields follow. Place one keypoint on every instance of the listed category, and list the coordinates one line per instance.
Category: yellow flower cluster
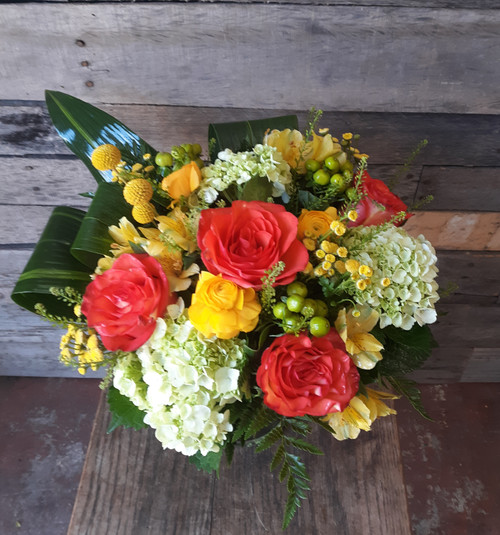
(223, 309)
(81, 346)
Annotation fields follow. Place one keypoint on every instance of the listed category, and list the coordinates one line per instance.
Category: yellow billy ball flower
(352, 215)
(342, 252)
(138, 191)
(105, 157)
(352, 265)
(386, 282)
(144, 213)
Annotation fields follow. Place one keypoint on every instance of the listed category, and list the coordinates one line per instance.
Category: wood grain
(130, 486)
(333, 57)
(389, 138)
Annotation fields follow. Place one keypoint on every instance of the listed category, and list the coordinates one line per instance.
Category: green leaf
(404, 351)
(304, 446)
(124, 412)
(266, 441)
(209, 462)
(308, 199)
(409, 389)
(261, 419)
(257, 189)
(84, 127)
(278, 457)
(52, 265)
(93, 240)
(244, 135)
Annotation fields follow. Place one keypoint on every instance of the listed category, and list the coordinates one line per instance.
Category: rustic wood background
(395, 72)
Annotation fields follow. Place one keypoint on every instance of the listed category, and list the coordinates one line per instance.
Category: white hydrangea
(409, 264)
(238, 168)
(182, 380)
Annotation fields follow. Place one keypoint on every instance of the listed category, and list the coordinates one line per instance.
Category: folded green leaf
(93, 240)
(209, 462)
(84, 127)
(244, 135)
(52, 265)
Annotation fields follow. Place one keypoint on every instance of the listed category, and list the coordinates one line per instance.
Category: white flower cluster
(238, 168)
(409, 264)
(182, 381)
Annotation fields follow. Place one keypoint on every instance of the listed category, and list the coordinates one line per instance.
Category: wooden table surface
(130, 486)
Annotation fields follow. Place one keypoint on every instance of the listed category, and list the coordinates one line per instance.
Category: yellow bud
(342, 252)
(93, 342)
(355, 276)
(330, 258)
(386, 282)
(308, 268)
(365, 270)
(105, 157)
(309, 244)
(356, 313)
(352, 215)
(340, 229)
(77, 309)
(319, 271)
(147, 156)
(136, 167)
(347, 136)
(326, 265)
(361, 284)
(149, 168)
(352, 265)
(340, 266)
(320, 253)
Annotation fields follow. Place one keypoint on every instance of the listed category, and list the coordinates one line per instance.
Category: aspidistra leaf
(84, 127)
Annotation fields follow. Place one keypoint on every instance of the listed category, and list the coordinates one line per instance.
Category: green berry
(321, 177)
(312, 165)
(295, 302)
(164, 159)
(291, 323)
(332, 164)
(339, 181)
(321, 307)
(297, 288)
(347, 166)
(347, 175)
(319, 326)
(309, 308)
(279, 310)
(196, 149)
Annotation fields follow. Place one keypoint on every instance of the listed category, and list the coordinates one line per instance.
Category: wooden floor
(407, 476)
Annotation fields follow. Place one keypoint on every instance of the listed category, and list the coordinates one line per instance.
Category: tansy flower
(362, 411)
(363, 347)
(314, 223)
(223, 309)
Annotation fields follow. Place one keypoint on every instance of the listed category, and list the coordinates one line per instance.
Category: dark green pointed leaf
(93, 240)
(209, 462)
(257, 189)
(52, 265)
(84, 127)
(124, 412)
(242, 136)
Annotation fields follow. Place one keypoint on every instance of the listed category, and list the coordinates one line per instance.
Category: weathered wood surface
(130, 485)
(38, 173)
(233, 55)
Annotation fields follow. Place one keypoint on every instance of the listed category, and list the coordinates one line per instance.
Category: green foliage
(404, 351)
(257, 189)
(285, 434)
(209, 462)
(409, 390)
(124, 412)
(268, 293)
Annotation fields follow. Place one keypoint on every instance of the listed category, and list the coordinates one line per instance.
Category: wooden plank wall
(155, 78)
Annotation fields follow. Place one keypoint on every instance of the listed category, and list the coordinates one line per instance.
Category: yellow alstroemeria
(123, 235)
(296, 151)
(174, 227)
(360, 414)
(363, 347)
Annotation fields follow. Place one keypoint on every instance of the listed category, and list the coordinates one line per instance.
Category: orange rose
(183, 182)
(220, 307)
(314, 223)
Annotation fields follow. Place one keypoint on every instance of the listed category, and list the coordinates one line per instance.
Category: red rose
(243, 241)
(123, 303)
(300, 375)
(380, 204)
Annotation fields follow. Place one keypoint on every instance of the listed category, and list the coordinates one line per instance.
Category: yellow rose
(314, 223)
(183, 182)
(222, 308)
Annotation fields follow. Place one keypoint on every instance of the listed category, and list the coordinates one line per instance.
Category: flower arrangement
(240, 300)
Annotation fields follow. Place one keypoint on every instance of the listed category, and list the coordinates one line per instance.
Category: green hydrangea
(183, 381)
(410, 266)
(240, 167)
